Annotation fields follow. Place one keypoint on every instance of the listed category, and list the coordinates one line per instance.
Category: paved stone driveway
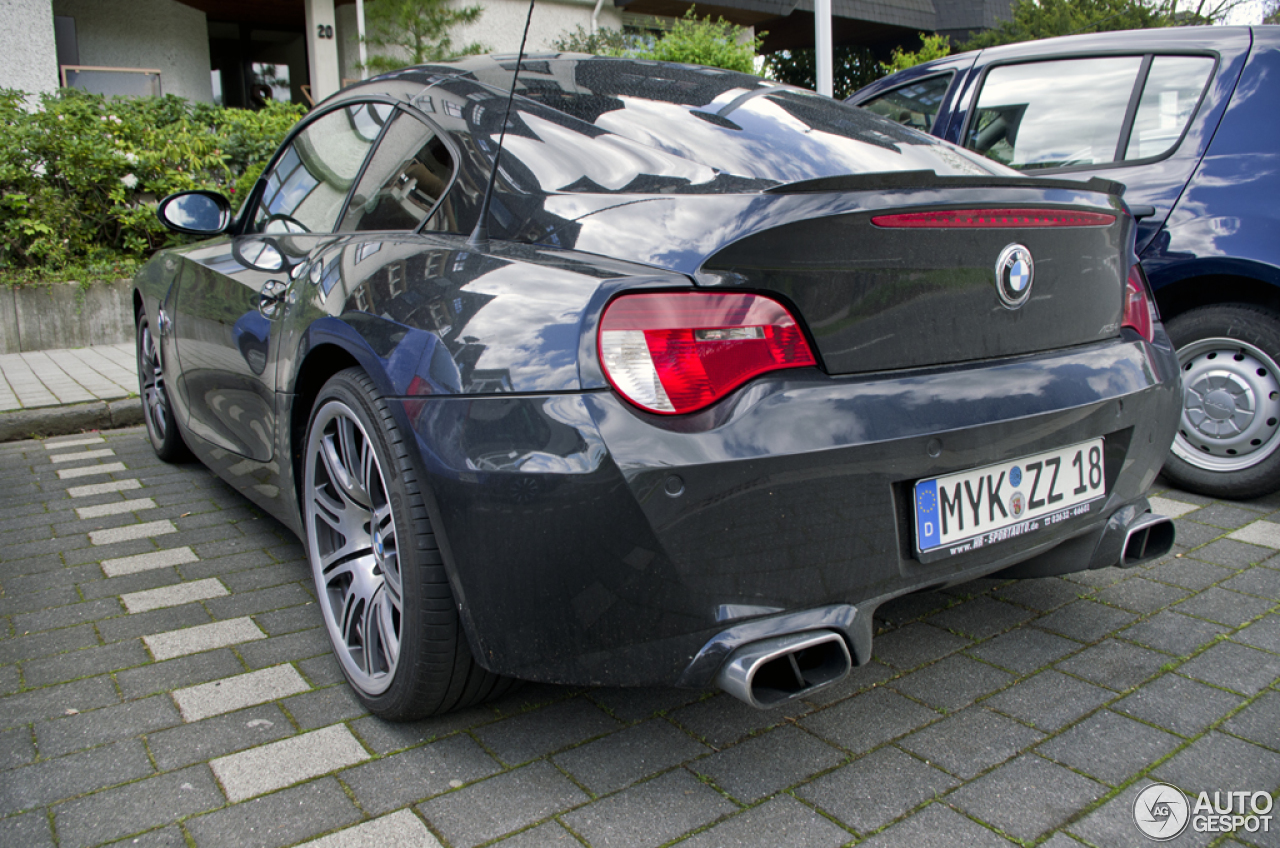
(164, 681)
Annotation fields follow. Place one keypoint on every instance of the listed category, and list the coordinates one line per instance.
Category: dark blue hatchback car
(1189, 119)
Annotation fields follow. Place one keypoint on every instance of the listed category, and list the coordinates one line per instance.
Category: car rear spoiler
(930, 179)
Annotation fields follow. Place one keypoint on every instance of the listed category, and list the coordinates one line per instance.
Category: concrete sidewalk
(55, 392)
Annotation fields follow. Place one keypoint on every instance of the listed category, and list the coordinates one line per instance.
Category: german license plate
(968, 510)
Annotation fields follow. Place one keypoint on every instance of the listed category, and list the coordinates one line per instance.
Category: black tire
(162, 430)
(377, 567)
(1228, 441)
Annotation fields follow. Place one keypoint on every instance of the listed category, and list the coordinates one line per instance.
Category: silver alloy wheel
(1230, 405)
(351, 543)
(154, 401)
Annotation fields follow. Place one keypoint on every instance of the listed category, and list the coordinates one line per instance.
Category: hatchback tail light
(1139, 306)
(677, 352)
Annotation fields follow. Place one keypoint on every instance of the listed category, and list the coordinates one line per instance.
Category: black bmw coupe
(727, 365)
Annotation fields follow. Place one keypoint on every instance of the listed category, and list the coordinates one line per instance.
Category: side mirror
(261, 254)
(195, 213)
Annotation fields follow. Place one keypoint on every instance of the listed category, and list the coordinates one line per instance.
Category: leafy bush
(716, 44)
(605, 41)
(80, 176)
(851, 67)
(931, 47)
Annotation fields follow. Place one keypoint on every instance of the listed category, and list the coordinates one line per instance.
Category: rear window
(915, 105)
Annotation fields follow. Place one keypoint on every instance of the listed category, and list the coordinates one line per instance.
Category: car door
(1141, 115)
(232, 293)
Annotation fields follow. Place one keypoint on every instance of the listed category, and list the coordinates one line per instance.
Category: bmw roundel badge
(1014, 273)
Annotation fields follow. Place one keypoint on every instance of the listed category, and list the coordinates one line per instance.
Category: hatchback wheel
(156, 410)
(1228, 437)
(378, 572)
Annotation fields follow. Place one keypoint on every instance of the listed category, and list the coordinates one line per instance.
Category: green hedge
(81, 174)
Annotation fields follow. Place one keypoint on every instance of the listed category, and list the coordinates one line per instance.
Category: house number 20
(324, 31)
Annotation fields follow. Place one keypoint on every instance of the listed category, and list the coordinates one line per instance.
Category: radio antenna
(479, 237)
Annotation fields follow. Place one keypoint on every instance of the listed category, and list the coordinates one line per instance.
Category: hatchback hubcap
(1231, 405)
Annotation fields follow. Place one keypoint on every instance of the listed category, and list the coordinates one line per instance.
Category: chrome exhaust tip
(1149, 537)
(771, 671)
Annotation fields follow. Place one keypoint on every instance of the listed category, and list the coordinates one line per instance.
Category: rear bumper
(589, 543)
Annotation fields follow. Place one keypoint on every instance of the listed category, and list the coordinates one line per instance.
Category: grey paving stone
(215, 737)
(1141, 595)
(981, 617)
(1173, 632)
(1116, 665)
(286, 648)
(265, 576)
(937, 826)
(31, 602)
(47, 643)
(56, 700)
(779, 821)
(1096, 578)
(321, 671)
(620, 759)
(872, 791)
(383, 737)
(9, 680)
(524, 737)
(65, 777)
(164, 837)
(290, 619)
(870, 719)
(324, 706)
(971, 741)
(1024, 650)
(183, 671)
(140, 582)
(405, 778)
(1236, 667)
(914, 644)
(1232, 554)
(67, 616)
(1112, 823)
(1225, 607)
(30, 830)
(1110, 747)
(281, 818)
(16, 748)
(263, 600)
(156, 621)
(766, 764)
(723, 719)
(1193, 534)
(1259, 722)
(491, 808)
(1047, 796)
(1085, 620)
(24, 584)
(637, 704)
(1225, 515)
(109, 724)
(1216, 761)
(1264, 634)
(1175, 703)
(1049, 700)
(85, 663)
(952, 682)
(1189, 573)
(1263, 582)
(551, 833)
(1061, 840)
(626, 820)
(226, 566)
(136, 807)
(276, 765)
(899, 611)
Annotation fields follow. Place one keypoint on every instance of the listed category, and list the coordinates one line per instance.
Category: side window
(915, 105)
(1053, 114)
(405, 178)
(306, 188)
(1173, 88)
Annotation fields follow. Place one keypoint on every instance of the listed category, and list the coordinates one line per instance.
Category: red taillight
(678, 352)
(1139, 308)
(994, 219)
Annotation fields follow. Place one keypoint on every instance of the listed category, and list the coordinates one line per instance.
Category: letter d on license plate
(971, 509)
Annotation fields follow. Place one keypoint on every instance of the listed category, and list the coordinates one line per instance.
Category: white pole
(364, 57)
(822, 45)
(595, 16)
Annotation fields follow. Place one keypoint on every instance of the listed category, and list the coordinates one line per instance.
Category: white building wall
(28, 53)
(498, 29)
(161, 34)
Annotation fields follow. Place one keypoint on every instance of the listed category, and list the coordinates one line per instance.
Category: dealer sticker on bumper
(971, 509)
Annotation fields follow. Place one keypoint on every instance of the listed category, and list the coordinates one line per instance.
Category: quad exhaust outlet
(771, 671)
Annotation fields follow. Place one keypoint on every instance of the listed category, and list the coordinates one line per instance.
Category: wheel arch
(1212, 289)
